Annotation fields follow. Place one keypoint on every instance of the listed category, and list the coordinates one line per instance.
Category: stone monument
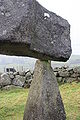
(28, 29)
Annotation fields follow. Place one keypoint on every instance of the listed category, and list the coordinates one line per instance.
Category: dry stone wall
(66, 74)
(23, 79)
(16, 79)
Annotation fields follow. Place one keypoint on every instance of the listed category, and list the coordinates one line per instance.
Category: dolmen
(29, 29)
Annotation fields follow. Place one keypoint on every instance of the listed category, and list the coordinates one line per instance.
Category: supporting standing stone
(44, 101)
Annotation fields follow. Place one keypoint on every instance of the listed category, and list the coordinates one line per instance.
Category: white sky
(70, 10)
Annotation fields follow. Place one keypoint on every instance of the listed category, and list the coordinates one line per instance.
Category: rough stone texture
(77, 70)
(68, 80)
(22, 73)
(11, 75)
(70, 70)
(75, 75)
(27, 83)
(18, 81)
(44, 100)
(56, 74)
(59, 79)
(28, 75)
(67, 74)
(28, 29)
(16, 73)
(5, 80)
(56, 69)
(64, 73)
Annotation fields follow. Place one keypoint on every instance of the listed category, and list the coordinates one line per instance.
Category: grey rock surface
(69, 80)
(5, 80)
(28, 75)
(28, 29)
(64, 73)
(11, 75)
(77, 70)
(28, 83)
(75, 75)
(67, 75)
(19, 81)
(22, 73)
(59, 79)
(44, 100)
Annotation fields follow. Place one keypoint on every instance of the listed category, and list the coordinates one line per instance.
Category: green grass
(12, 102)
(71, 98)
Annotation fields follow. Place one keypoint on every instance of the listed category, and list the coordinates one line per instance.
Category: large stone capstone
(28, 29)
(44, 100)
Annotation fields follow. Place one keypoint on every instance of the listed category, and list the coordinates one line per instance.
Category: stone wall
(66, 74)
(17, 79)
(23, 79)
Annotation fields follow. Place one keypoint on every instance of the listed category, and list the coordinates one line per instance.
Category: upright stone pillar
(44, 100)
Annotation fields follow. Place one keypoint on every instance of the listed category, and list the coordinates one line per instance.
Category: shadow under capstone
(44, 100)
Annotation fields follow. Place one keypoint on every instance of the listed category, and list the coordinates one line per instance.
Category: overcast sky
(70, 10)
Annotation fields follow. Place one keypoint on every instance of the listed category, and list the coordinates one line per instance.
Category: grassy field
(12, 102)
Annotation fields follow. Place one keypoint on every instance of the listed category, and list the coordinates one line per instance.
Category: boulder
(22, 73)
(75, 75)
(70, 70)
(59, 79)
(16, 73)
(56, 74)
(18, 81)
(11, 75)
(69, 80)
(28, 75)
(28, 70)
(5, 80)
(44, 100)
(32, 72)
(77, 70)
(56, 69)
(63, 73)
(65, 67)
(28, 29)
(28, 83)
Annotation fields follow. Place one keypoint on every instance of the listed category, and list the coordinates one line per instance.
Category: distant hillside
(16, 62)
(73, 61)
(28, 63)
